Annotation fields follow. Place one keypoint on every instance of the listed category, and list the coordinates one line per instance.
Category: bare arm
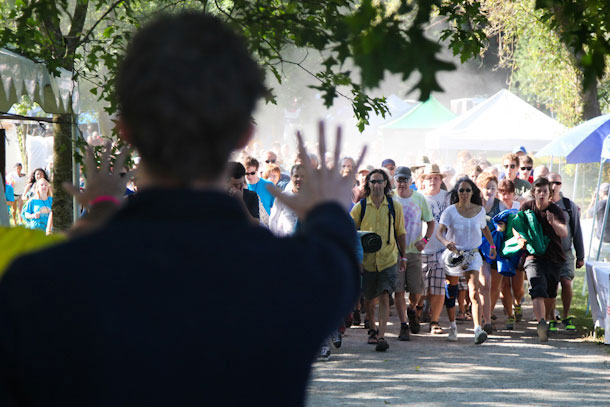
(490, 240)
(440, 235)
(421, 244)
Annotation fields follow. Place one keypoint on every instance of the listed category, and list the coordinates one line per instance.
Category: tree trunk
(590, 100)
(62, 171)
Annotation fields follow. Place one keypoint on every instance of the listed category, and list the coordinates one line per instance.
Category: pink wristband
(104, 198)
(493, 247)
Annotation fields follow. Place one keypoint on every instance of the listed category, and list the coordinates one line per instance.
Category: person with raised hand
(136, 312)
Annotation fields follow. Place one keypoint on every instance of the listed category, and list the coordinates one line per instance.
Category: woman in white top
(460, 230)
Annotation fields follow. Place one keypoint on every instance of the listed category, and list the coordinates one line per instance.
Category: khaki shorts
(411, 280)
(374, 283)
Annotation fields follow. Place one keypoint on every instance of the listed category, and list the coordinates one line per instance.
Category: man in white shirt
(18, 180)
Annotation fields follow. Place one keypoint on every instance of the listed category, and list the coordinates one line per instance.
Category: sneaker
(356, 316)
(488, 328)
(480, 336)
(510, 323)
(404, 333)
(324, 353)
(568, 324)
(542, 330)
(453, 336)
(518, 313)
(382, 345)
(336, 339)
(553, 326)
(413, 321)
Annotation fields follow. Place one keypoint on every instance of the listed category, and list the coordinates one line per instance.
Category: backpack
(568, 205)
(391, 218)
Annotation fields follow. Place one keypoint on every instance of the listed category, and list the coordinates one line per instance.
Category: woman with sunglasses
(461, 228)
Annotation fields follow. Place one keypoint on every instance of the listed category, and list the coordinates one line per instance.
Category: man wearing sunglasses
(526, 167)
(258, 184)
(574, 239)
(510, 162)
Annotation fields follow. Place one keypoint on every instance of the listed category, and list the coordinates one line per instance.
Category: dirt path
(511, 369)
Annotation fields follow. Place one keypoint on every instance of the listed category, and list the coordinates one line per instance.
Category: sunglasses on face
(462, 190)
(556, 182)
(526, 168)
(270, 161)
(512, 166)
(402, 180)
(251, 173)
(376, 181)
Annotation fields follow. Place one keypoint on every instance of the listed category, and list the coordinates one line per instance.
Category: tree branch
(86, 36)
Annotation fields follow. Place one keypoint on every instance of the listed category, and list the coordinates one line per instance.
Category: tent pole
(75, 170)
(574, 189)
(551, 164)
(603, 229)
(599, 181)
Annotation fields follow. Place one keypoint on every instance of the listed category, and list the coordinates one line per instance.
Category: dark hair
(33, 176)
(475, 198)
(388, 185)
(186, 91)
(506, 185)
(251, 162)
(541, 182)
(295, 168)
(526, 159)
(236, 170)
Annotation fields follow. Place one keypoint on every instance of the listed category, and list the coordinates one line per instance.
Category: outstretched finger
(105, 161)
(71, 189)
(120, 161)
(361, 158)
(322, 144)
(304, 156)
(338, 148)
(90, 167)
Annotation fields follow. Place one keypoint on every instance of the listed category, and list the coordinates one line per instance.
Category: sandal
(460, 316)
(467, 316)
(435, 328)
(373, 337)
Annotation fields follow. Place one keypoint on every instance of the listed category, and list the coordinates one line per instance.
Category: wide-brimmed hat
(431, 169)
(421, 162)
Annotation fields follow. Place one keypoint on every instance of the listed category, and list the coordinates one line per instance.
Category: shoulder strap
(362, 209)
(568, 205)
(391, 220)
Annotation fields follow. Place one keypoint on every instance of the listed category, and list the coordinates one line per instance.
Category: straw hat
(432, 169)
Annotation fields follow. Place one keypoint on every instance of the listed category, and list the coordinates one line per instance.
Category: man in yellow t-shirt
(381, 267)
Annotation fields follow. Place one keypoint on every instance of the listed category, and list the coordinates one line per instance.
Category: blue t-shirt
(265, 196)
(33, 206)
(9, 193)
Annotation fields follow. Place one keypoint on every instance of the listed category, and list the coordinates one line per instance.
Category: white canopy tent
(499, 124)
(21, 76)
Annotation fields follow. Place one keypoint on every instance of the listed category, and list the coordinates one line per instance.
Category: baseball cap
(402, 172)
(388, 161)
(519, 148)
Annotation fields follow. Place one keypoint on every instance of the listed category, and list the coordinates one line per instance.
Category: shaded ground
(511, 369)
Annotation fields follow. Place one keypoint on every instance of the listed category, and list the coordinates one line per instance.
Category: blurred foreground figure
(136, 312)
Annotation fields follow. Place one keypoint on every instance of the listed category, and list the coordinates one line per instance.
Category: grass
(584, 322)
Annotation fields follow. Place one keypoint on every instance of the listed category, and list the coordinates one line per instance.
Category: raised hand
(102, 182)
(320, 185)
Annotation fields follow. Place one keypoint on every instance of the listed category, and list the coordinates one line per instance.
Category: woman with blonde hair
(37, 211)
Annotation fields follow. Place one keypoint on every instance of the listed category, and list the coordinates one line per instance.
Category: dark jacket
(178, 301)
(251, 201)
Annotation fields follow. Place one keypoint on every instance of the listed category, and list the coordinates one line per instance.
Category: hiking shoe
(518, 313)
(568, 324)
(453, 336)
(553, 326)
(480, 336)
(510, 323)
(336, 339)
(488, 328)
(542, 330)
(356, 315)
(404, 333)
(382, 345)
(413, 321)
(324, 353)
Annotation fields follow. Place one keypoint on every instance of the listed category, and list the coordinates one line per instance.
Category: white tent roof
(21, 76)
(499, 124)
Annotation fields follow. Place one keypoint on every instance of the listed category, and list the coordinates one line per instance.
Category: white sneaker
(480, 336)
(452, 337)
(324, 353)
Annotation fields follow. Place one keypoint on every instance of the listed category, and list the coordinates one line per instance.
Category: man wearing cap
(390, 165)
(432, 263)
(415, 210)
